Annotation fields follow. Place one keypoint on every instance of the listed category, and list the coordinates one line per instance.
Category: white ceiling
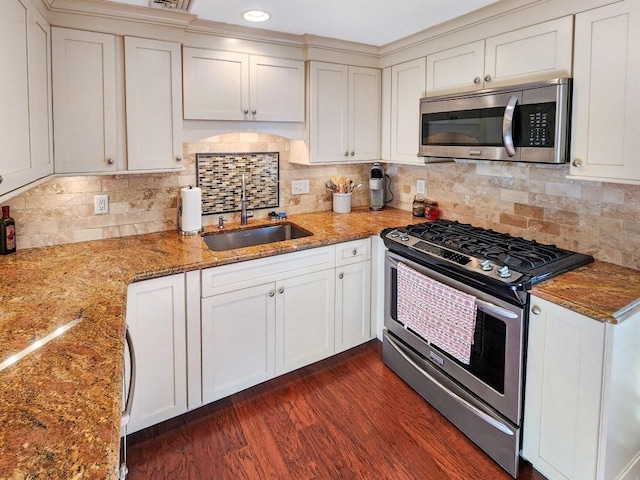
(374, 22)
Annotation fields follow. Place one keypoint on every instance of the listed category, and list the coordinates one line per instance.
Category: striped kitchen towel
(440, 314)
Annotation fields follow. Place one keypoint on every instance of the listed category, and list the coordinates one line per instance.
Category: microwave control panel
(538, 125)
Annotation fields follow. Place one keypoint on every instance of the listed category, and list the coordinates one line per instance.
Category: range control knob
(503, 272)
(404, 238)
(394, 234)
(485, 266)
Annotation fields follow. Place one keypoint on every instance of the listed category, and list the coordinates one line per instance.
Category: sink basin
(230, 240)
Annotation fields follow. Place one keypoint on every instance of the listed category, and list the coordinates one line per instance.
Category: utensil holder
(342, 202)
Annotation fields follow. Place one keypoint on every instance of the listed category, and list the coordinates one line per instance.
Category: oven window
(489, 347)
(463, 128)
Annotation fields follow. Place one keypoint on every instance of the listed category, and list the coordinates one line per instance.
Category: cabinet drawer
(353, 252)
(226, 278)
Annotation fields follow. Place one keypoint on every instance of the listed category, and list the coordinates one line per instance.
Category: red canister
(431, 211)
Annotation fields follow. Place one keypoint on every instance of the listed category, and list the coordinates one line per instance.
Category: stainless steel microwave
(523, 123)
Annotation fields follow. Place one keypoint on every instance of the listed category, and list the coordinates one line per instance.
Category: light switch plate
(299, 187)
(421, 187)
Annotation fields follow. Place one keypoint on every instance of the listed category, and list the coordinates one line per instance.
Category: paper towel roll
(191, 210)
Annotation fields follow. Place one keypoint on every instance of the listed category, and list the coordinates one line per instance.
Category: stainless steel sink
(230, 240)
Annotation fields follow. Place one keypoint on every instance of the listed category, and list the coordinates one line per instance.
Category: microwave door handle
(507, 126)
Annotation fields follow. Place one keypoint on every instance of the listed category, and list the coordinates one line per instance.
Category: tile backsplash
(533, 201)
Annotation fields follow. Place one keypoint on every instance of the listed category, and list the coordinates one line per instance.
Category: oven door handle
(492, 309)
(472, 408)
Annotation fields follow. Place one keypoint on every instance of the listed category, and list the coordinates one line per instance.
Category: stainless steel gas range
(452, 288)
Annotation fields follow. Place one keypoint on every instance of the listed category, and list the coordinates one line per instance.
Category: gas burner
(494, 256)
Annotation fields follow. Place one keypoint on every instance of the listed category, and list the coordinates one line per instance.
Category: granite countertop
(60, 414)
(61, 403)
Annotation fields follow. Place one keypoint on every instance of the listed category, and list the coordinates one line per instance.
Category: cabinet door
(353, 305)
(156, 319)
(238, 340)
(25, 116)
(304, 320)
(534, 53)
(605, 135)
(407, 88)
(459, 69)
(154, 104)
(216, 85)
(364, 113)
(276, 89)
(84, 112)
(328, 112)
(563, 392)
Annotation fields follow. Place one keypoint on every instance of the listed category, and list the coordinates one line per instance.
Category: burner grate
(501, 248)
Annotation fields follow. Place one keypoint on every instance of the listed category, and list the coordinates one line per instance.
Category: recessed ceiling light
(256, 16)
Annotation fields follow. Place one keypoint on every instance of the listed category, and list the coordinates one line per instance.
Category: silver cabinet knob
(272, 293)
(577, 163)
(353, 153)
(535, 310)
(281, 290)
(178, 158)
(254, 112)
(346, 154)
(487, 78)
(477, 80)
(110, 161)
(1, 179)
(354, 252)
(246, 112)
(341, 276)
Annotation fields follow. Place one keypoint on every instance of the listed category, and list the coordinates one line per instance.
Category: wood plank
(347, 417)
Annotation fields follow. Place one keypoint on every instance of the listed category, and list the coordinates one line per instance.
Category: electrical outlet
(299, 187)
(101, 204)
(421, 187)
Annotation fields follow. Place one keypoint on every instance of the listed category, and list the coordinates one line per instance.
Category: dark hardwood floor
(348, 417)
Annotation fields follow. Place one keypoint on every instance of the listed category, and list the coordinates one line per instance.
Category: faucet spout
(243, 203)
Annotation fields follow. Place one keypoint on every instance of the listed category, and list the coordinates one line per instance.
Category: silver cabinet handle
(110, 161)
(246, 112)
(178, 158)
(507, 126)
(346, 154)
(487, 78)
(272, 293)
(577, 163)
(355, 252)
(281, 290)
(477, 80)
(126, 414)
(353, 153)
(1, 179)
(341, 276)
(254, 112)
(535, 310)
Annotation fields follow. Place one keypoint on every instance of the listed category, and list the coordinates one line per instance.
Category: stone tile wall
(533, 201)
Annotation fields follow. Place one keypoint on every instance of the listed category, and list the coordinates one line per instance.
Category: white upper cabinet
(605, 136)
(538, 52)
(344, 113)
(25, 116)
(235, 86)
(153, 85)
(407, 88)
(84, 111)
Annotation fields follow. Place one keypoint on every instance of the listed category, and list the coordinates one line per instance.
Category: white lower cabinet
(157, 323)
(581, 420)
(238, 347)
(353, 305)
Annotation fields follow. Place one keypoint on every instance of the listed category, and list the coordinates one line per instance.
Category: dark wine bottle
(7, 233)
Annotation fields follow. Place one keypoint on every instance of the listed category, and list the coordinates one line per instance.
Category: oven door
(495, 370)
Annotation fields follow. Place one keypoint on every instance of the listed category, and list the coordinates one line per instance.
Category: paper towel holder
(180, 230)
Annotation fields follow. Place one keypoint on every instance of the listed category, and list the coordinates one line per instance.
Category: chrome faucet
(243, 204)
